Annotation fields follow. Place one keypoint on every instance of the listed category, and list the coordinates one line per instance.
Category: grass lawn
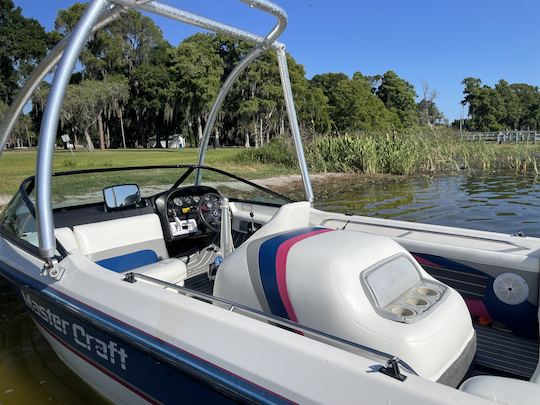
(17, 165)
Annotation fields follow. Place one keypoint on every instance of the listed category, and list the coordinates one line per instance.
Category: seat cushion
(503, 390)
(123, 263)
(172, 271)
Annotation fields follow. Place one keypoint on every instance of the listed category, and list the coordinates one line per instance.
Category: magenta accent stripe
(425, 262)
(281, 269)
(477, 307)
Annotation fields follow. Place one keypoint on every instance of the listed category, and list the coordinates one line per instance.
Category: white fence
(502, 136)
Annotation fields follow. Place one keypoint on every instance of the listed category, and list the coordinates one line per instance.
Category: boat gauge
(196, 198)
(177, 201)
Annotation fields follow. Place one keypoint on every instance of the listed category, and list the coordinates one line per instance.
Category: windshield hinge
(130, 278)
(392, 369)
(52, 269)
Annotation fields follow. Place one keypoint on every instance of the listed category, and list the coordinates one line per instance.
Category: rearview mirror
(122, 196)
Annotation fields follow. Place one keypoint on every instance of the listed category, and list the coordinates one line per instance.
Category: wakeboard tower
(208, 287)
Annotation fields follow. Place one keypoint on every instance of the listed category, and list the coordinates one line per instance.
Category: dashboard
(178, 211)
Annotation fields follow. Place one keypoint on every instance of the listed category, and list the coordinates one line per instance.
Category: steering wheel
(210, 212)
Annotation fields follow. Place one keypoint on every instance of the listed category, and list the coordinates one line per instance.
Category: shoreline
(292, 183)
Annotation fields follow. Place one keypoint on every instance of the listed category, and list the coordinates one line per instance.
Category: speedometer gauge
(196, 198)
(177, 201)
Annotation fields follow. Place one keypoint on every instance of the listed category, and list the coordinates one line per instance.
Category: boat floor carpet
(499, 350)
(200, 283)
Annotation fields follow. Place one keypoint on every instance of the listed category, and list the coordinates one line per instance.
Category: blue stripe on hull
(267, 268)
(156, 370)
(145, 375)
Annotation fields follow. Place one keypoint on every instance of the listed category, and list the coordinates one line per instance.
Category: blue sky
(440, 42)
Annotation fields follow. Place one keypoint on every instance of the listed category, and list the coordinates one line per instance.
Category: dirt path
(4, 199)
(323, 183)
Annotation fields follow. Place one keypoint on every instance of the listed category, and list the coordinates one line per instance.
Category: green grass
(17, 165)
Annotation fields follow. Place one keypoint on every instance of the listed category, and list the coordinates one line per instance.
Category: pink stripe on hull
(281, 269)
(477, 307)
(424, 262)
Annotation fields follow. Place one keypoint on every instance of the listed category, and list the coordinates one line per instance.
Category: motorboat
(185, 283)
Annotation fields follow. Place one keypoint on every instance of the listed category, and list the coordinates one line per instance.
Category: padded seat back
(289, 216)
(120, 237)
(125, 244)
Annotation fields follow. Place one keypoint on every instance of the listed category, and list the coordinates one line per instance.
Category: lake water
(30, 372)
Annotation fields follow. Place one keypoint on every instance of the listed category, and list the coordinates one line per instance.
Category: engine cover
(359, 287)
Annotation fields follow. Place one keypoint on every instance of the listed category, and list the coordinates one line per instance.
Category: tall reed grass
(436, 151)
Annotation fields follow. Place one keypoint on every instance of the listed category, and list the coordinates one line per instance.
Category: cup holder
(427, 292)
(401, 311)
(413, 304)
(416, 301)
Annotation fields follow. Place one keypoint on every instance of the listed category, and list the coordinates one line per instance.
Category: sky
(437, 41)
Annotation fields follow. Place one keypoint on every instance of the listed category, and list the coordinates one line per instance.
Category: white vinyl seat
(289, 216)
(502, 390)
(173, 271)
(352, 285)
(124, 245)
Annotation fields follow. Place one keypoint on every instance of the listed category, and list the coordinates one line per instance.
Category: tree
(85, 104)
(398, 96)
(23, 42)
(513, 109)
(529, 101)
(328, 83)
(428, 112)
(148, 99)
(504, 106)
(196, 75)
(359, 109)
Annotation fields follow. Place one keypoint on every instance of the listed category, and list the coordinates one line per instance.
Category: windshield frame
(28, 184)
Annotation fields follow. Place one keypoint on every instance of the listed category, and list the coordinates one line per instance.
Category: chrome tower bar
(49, 126)
(98, 14)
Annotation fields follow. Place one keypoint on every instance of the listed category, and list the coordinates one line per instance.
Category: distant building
(176, 141)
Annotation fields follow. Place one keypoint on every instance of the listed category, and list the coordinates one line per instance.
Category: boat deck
(501, 351)
(200, 283)
(498, 352)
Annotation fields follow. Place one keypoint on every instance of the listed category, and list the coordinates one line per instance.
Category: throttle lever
(252, 225)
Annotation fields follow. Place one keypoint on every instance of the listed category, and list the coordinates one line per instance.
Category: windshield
(235, 188)
(86, 187)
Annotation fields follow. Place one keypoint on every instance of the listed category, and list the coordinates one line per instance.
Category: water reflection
(30, 372)
(506, 204)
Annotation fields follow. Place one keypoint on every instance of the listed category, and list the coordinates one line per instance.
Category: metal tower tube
(49, 126)
(293, 122)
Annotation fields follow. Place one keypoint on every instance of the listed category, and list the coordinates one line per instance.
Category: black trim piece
(21, 243)
(192, 167)
(245, 181)
(182, 178)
